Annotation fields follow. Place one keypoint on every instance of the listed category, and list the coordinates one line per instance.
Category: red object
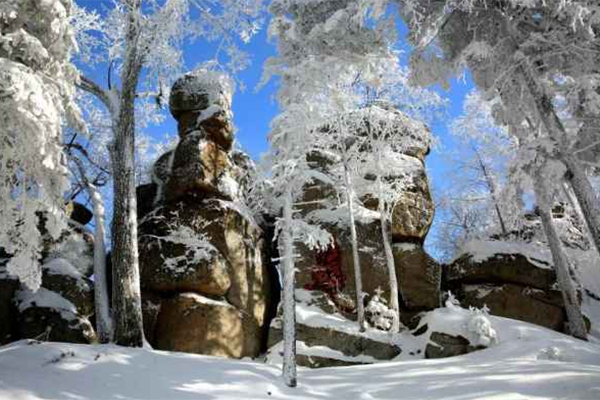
(327, 275)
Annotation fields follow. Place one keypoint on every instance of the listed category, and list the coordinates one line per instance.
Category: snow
(530, 363)
(481, 250)
(205, 300)
(45, 298)
(405, 246)
(218, 86)
(339, 215)
(60, 266)
(276, 352)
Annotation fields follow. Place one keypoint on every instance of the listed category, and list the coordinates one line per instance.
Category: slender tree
(576, 324)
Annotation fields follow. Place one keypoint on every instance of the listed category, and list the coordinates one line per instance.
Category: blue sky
(255, 108)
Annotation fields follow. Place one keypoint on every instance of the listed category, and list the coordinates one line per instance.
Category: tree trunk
(127, 308)
(101, 304)
(389, 259)
(103, 319)
(489, 181)
(360, 308)
(575, 176)
(561, 264)
(288, 297)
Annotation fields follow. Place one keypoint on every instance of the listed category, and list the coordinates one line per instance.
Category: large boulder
(199, 90)
(414, 210)
(443, 345)
(419, 277)
(520, 285)
(202, 101)
(176, 255)
(59, 276)
(325, 338)
(193, 323)
(413, 214)
(211, 248)
(500, 268)
(349, 344)
(540, 307)
(46, 315)
(198, 166)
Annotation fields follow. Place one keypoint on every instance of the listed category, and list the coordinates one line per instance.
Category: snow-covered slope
(528, 363)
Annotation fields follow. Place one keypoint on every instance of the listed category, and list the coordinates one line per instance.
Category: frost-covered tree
(391, 142)
(285, 174)
(144, 39)
(489, 150)
(478, 201)
(526, 52)
(576, 324)
(321, 47)
(37, 87)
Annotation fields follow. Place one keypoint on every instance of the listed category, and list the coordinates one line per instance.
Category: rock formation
(204, 278)
(329, 274)
(62, 309)
(510, 283)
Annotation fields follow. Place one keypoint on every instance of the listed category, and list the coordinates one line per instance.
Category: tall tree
(322, 46)
(521, 51)
(145, 39)
(36, 99)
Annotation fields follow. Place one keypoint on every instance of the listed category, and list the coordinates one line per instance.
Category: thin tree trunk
(561, 264)
(575, 176)
(103, 318)
(573, 202)
(127, 308)
(101, 304)
(492, 188)
(389, 259)
(288, 297)
(360, 308)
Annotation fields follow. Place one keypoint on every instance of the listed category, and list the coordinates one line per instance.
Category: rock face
(419, 277)
(322, 343)
(196, 324)
(442, 345)
(205, 283)
(63, 308)
(329, 274)
(332, 271)
(515, 286)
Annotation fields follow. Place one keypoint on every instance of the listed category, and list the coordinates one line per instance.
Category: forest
(276, 199)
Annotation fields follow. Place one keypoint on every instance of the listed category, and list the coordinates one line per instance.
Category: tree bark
(127, 308)
(288, 296)
(360, 307)
(561, 264)
(575, 176)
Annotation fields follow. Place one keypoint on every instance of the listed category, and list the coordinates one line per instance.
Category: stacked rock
(204, 280)
(62, 308)
(329, 275)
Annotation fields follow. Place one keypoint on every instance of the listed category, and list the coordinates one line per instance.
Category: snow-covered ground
(528, 363)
